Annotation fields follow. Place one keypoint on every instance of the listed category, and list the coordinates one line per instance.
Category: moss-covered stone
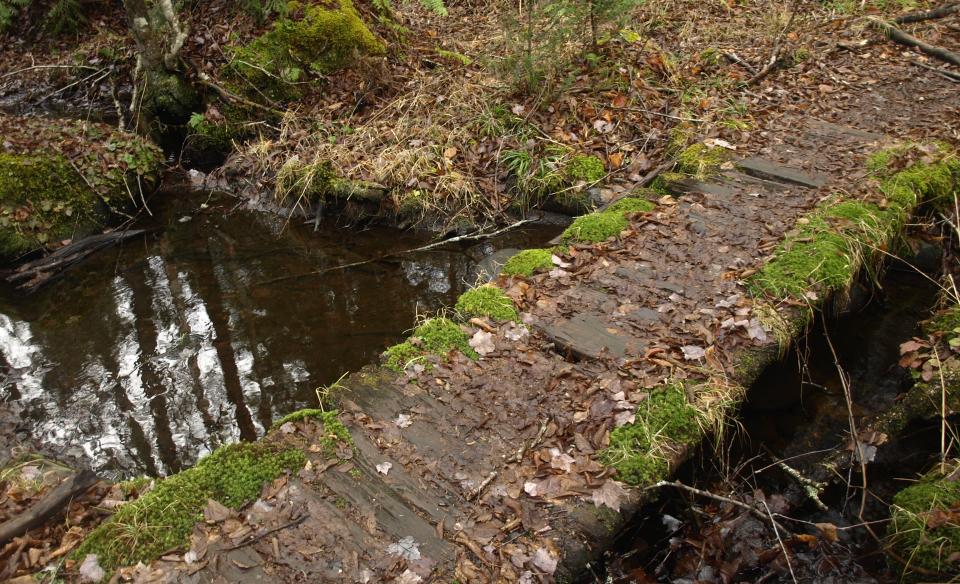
(60, 179)
(700, 161)
(169, 98)
(829, 246)
(437, 336)
(600, 226)
(487, 301)
(334, 430)
(314, 39)
(641, 452)
(163, 518)
(924, 527)
(528, 261)
(585, 168)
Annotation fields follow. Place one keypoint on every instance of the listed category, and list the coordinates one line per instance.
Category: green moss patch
(924, 527)
(334, 430)
(600, 226)
(314, 39)
(829, 246)
(487, 301)
(585, 168)
(163, 518)
(700, 161)
(641, 451)
(528, 261)
(60, 179)
(437, 336)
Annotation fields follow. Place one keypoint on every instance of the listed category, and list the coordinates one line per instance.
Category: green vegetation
(555, 174)
(829, 246)
(602, 225)
(334, 430)
(582, 168)
(312, 40)
(700, 161)
(487, 301)
(528, 261)
(60, 180)
(163, 518)
(924, 527)
(437, 336)
(641, 451)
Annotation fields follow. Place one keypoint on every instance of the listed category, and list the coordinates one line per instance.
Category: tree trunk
(164, 94)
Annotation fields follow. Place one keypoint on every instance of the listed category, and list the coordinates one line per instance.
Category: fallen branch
(259, 536)
(52, 503)
(468, 237)
(898, 36)
(777, 47)
(232, 97)
(945, 10)
(750, 508)
(734, 58)
(946, 74)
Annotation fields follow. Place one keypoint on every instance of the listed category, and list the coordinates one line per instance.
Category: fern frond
(64, 16)
(435, 6)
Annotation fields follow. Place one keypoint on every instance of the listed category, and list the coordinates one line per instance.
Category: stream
(210, 327)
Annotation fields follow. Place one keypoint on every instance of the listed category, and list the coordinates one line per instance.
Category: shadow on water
(795, 412)
(201, 333)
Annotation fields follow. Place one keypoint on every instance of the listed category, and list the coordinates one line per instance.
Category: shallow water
(205, 331)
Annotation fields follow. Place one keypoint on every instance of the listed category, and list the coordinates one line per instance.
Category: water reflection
(155, 353)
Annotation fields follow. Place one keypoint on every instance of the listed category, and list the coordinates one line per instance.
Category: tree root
(945, 10)
(898, 36)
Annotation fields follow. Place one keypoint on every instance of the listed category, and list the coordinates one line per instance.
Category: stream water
(207, 329)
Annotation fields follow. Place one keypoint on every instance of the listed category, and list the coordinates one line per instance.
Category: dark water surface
(154, 353)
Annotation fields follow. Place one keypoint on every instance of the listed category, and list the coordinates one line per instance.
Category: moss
(169, 98)
(528, 261)
(640, 451)
(600, 226)
(135, 485)
(296, 179)
(700, 161)
(487, 301)
(334, 429)
(164, 517)
(437, 336)
(314, 40)
(61, 179)
(924, 528)
(400, 356)
(840, 236)
(584, 168)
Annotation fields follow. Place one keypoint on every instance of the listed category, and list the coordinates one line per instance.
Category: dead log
(945, 10)
(898, 36)
(31, 275)
(51, 504)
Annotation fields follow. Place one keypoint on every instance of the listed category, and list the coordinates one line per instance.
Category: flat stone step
(766, 169)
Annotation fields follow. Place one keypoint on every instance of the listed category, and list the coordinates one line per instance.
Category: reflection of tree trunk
(142, 307)
(209, 291)
(182, 308)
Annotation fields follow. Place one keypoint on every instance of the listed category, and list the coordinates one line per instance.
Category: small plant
(9, 10)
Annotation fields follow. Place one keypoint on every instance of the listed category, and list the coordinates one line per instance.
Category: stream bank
(793, 423)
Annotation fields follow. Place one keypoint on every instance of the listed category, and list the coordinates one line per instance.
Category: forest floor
(668, 290)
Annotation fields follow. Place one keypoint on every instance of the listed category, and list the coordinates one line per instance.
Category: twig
(517, 457)
(777, 47)
(469, 237)
(943, 414)
(898, 36)
(854, 435)
(734, 58)
(229, 96)
(641, 110)
(786, 555)
(25, 69)
(945, 10)
(260, 536)
(946, 74)
(644, 182)
(750, 508)
(812, 488)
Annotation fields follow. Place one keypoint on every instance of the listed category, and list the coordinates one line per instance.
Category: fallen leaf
(384, 467)
(692, 352)
(544, 561)
(407, 548)
(90, 570)
(482, 343)
(403, 421)
(610, 495)
(828, 530)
